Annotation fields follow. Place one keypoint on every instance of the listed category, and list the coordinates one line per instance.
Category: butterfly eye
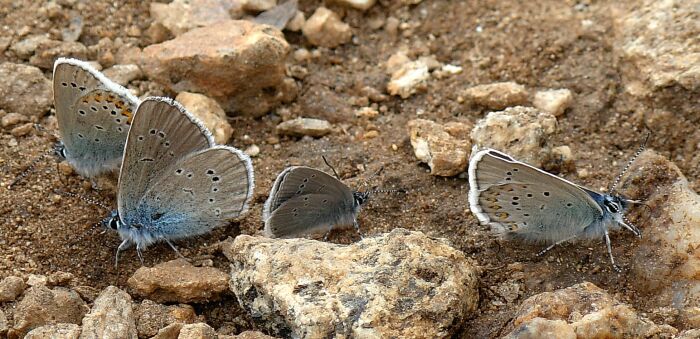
(612, 206)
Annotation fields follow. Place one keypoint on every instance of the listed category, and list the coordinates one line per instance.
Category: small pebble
(12, 119)
(252, 150)
(22, 130)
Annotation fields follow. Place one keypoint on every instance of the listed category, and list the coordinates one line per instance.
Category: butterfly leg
(174, 248)
(124, 245)
(542, 252)
(612, 260)
(325, 237)
(140, 254)
(356, 225)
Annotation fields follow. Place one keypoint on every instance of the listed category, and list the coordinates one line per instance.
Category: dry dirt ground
(539, 44)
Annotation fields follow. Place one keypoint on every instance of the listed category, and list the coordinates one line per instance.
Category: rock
(48, 51)
(666, 261)
(112, 316)
(251, 335)
(37, 280)
(401, 284)
(152, 317)
(445, 148)
(10, 288)
(498, 95)
(181, 16)
(252, 150)
(238, 63)
(297, 22)
(689, 334)
(358, 4)
(258, 5)
(582, 311)
(75, 28)
(197, 331)
(26, 47)
(123, 74)
(209, 112)
(30, 93)
(407, 77)
(521, 132)
(179, 281)
(304, 126)
(367, 112)
(171, 331)
(59, 278)
(42, 306)
(554, 101)
(22, 130)
(543, 328)
(62, 331)
(324, 28)
(657, 44)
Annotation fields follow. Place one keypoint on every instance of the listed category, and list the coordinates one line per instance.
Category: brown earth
(539, 44)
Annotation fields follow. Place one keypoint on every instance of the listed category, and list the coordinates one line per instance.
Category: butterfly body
(94, 116)
(174, 181)
(520, 201)
(305, 200)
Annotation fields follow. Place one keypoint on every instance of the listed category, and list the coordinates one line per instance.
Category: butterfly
(521, 201)
(94, 115)
(174, 181)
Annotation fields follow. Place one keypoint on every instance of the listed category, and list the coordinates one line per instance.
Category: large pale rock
(181, 16)
(445, 148)
(179, 281)
(57, 331)
(304, 126)
(26, 47)
(10, 288)
(24, 90)
(42, 306)
(667, 260)
(402, 284)
(582, 311)
(240, 64)
(324, 28)
(522, 132)
(658, 44)
(111, 316)
(498, 95)
(123, 74)
(209, 112)
(151, 317)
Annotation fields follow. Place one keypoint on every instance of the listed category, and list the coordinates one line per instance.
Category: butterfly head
(360, 198)
(59, 149)
(112, 222)
(616, 206)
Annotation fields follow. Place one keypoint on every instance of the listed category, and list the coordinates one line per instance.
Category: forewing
(307, 213)
(517, 199)
(162, 133)
(93, 114)
(301, 180)
(199, 192)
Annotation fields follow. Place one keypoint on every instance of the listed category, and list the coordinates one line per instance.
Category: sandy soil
(538, 44)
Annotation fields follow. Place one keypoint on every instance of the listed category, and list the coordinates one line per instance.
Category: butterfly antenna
(29, 169)
(641, 149)
(85, 233)
(332, 168)
(366, 182)
(397, 190)
(83, 198)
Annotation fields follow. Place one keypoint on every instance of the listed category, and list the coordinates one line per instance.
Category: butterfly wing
(94, 116)
(304, 199)
(197, 193)
(519, 200)
(163, 133)
(301, 180)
